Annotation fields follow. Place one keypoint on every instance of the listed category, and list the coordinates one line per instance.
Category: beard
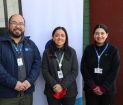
(16, 33)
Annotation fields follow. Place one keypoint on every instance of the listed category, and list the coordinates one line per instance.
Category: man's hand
(19, 86)
(22, 86)
(26, 85)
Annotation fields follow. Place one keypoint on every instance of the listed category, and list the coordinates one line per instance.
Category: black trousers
(63, 101)
(93, 99)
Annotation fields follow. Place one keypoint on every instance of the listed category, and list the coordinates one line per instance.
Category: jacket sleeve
(112, 75)
(45, 70)
(85, 70)
(71, 76)
(35, 67)
(5, 78)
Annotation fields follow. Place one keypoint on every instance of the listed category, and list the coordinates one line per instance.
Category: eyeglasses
(15, 23)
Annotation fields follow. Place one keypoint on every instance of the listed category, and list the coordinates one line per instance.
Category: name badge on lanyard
(19, 61)
(59, 72)
(19, 51)
(98, 70)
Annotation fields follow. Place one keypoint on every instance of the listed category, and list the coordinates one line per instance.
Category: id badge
(60, 74)
(20, 62)
(98, 70)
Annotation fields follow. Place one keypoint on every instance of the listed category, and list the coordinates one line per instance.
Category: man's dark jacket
(9, 66)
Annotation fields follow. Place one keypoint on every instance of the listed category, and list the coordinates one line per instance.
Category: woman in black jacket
(99, 67)
(60, 69)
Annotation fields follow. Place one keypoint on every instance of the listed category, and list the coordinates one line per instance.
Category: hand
(57, 88)
(97, 91)
(19, 86)
(26, 85)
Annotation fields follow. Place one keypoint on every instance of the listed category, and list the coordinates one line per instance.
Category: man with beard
(20, 64)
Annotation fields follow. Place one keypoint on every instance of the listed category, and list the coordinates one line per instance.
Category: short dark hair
(15, 15)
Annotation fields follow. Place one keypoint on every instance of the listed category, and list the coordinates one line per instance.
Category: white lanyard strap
(60, 61)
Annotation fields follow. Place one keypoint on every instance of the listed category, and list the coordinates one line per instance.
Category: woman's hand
(57, 88)
(97, 91)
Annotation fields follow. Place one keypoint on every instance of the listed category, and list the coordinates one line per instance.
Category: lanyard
(99, 56)
(19, 48)
(60, 61)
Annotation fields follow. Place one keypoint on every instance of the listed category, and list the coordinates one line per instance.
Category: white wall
(42, 16)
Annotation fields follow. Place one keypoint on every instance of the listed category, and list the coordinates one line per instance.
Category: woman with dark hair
(60, 69)
(99, 67)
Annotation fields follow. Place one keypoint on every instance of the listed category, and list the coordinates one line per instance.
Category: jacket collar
(6, 37)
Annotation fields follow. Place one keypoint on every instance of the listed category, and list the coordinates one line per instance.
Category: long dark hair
(62, 28)
(52, 46)
(103, 26)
